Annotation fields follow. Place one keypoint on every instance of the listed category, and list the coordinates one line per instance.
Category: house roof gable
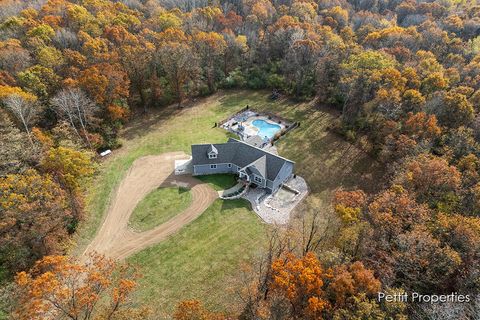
(212, 149)
(242, 155)
(260, 166)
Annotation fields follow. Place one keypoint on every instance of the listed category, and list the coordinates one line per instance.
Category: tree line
(404, 74)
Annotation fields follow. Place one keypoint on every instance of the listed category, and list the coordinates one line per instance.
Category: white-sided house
(254, 165)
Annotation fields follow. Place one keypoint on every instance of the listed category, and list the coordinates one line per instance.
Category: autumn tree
(301, 60)
(59, 286)
(393, 212)
(421, 126)
(13, 57)
(105, 83)
(210, 47)
(315, 292)
(236, 47)
(194, 310)
(137, 59)
(180, 66)
(454, 109)
(39, 80)
(423, 262)
(430, 178)
(70, 168)
(352, 280)
(348, 204)
(300, 281)
(34, 217)
(358, 80)
(461, 234)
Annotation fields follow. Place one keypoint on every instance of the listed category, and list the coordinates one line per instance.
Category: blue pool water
(266, 128)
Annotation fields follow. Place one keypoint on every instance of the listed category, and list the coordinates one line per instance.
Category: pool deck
(241, 124)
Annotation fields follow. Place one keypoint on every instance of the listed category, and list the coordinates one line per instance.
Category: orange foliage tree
(209, 47)
(301, 281)
(420, 125)
(33, 217)
(194, 310)
(314, 292)
(430, 178)
(351, 280)
(58, 286)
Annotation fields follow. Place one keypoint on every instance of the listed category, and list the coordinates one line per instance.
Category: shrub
(350, 135)
(256, 78)
(276, 81)
(235, 79)
(204, 91)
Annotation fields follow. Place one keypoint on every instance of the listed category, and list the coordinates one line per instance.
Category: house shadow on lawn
(219, 181)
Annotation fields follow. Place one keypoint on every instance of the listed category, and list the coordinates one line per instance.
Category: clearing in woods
(200, 259)
(115, 239)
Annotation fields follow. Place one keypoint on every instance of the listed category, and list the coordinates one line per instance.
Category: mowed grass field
(158, 207)
(202, 259)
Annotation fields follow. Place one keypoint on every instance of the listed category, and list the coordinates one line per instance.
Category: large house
(252, 164)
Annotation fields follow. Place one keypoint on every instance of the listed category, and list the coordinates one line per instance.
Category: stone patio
(274, 209)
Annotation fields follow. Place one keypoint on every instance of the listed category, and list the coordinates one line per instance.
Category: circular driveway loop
(115, 239)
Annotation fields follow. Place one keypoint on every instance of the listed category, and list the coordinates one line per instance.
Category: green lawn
(170, 129)
(159, 206)
(200, 259)
(220, 181)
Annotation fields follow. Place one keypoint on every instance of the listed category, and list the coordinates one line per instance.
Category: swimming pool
(266, 129)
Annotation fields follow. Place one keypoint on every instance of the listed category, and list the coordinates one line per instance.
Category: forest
(404, 74)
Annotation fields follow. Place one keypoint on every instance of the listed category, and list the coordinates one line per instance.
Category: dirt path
(115, 239)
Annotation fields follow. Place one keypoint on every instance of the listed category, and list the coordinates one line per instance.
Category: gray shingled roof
(241, 154)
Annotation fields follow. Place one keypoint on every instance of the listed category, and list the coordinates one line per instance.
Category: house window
(212, 156)
(257, 179)
(213, 166)
(229, 165)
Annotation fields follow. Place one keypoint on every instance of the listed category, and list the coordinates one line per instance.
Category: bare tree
(447, 310)
(75, 106)
(14, 152)
(24, 110)
(65, 38)
(313, 231)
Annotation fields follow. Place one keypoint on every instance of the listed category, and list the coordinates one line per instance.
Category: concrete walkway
(232, 190)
